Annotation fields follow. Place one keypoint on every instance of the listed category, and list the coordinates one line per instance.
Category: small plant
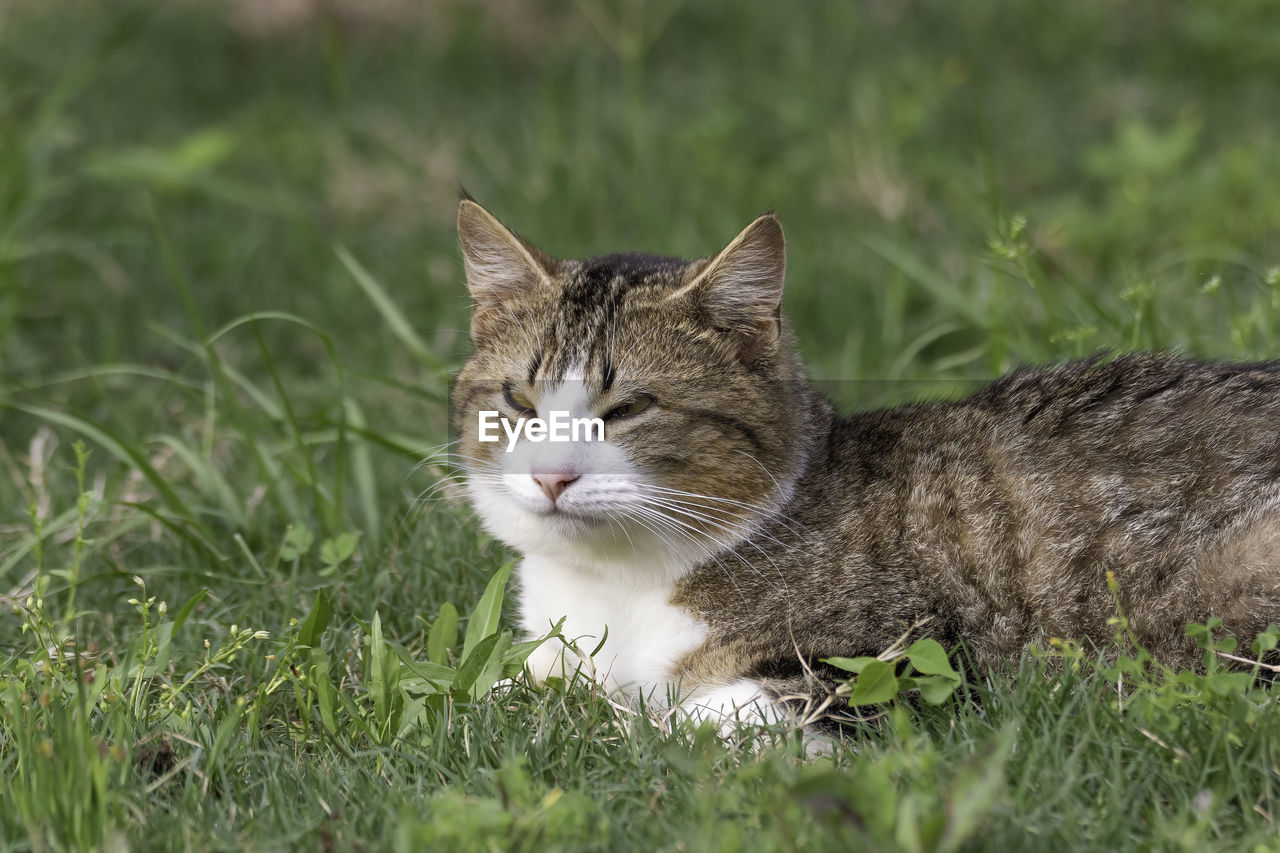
(407, 695)
(923, 667)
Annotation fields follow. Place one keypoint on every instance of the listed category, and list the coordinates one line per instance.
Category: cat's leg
(749, 703)
(742, 701)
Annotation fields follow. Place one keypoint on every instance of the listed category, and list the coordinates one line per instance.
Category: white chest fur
(646, 633)
(646, 636)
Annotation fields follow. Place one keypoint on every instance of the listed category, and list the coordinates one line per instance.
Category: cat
(732, 529)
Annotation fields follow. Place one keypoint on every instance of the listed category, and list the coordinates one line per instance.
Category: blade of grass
(488, 611)
(362, 467)
(277, 488)
(212, 481)
(117, 447)
(938, 286)
(327, 509)
(391, 313)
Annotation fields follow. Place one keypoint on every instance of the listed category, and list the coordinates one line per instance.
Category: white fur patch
(646, 636)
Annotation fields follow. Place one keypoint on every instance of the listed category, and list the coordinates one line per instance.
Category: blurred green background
(898, 141)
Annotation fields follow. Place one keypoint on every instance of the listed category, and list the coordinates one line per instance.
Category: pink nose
(554, 483)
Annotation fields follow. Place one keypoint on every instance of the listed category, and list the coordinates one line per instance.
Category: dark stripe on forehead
(637, 265)
(607, 278)
(591, 301)
(562, 349)
(605, 337)
(608, 375)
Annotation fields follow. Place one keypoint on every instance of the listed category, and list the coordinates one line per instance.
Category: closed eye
(517, 399)
(626, 410)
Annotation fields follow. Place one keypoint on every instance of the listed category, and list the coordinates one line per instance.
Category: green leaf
(1229, 683)
(929, 658)
(326, 695)
(1126, 665)
(493, 666)
(513, 660)
(876, 684)
(164, 643)
(854, 665)
(434, 672)
(935, 689)
(181, 618)
(169, 167)
(912, 825)
(474, 664)
(302, 697)
(415, 717)
(443, 635)
(1266, 641)
(484, 619)
(297, 541)
(377, 658)
(413, 686)
(317, 620)
(384, 682)
(338, 549)
(354, 714)
(362, 468)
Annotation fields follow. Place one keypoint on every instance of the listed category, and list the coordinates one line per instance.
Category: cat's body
(733, 529)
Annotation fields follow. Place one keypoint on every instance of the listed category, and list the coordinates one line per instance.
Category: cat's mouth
(568, 515)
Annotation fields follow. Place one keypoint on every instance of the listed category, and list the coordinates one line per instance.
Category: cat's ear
(499, 264)
(740, 289)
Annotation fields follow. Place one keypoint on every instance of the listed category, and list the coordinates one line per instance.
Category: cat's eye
(626, 410)
(518, 400)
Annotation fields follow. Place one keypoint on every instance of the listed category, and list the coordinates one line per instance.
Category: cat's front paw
(740, 702)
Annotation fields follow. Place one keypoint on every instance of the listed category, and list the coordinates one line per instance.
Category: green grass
(227, 265)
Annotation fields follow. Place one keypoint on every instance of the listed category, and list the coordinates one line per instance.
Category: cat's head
(688, 365)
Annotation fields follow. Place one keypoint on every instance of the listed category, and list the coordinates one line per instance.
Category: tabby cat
(731, 529)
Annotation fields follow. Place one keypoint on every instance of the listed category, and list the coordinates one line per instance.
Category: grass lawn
(237, 612)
